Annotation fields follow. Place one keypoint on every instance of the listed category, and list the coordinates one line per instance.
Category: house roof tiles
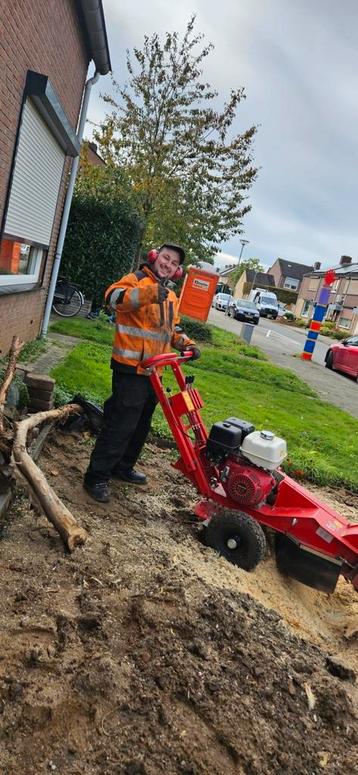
(351, 270)
(260, 278)
(293, 269)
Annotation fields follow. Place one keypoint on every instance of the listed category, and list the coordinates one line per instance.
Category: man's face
(166, 264)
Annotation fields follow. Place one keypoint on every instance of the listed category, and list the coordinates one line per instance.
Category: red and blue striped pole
(318, 315)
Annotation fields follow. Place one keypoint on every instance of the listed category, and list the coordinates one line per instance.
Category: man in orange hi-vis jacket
(147, 323)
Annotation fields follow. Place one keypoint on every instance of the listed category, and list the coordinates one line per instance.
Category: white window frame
(24, 279)
(342, 325)
(288, 283)
(306, 313)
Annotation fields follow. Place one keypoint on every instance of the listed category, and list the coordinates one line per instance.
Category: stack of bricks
(41, 391)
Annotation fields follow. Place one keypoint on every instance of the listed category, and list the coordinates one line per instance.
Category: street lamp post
(243, 243)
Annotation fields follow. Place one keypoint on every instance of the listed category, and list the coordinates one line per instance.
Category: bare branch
(50, 503)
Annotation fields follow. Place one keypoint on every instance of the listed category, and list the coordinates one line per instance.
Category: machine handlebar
(165, 360)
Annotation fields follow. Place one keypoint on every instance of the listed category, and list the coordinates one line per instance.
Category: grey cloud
(297, 60)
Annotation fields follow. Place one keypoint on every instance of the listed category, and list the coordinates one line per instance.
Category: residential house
(343, 300)
(252, 279)
(289, 274)
(224, 285)
(91, 154)
(45, 52)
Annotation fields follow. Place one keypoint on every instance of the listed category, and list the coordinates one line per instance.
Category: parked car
(343, 356)
(221, 300)
(243, 309)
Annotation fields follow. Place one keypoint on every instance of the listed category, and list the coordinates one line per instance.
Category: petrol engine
(247, 460)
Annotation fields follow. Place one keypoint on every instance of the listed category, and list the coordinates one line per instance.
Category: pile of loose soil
(145, 653)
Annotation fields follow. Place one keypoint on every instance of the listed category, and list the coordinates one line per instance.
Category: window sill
(8, 288)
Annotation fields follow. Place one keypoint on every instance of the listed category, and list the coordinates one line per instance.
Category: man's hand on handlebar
(162, 293)
(194, 350)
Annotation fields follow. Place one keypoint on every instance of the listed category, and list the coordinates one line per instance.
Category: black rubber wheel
(68, 309)
(238, 538)
(329, 360)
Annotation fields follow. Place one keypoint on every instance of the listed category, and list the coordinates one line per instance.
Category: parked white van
(266, 302)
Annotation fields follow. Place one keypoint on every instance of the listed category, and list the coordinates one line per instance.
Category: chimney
(345, 261)
(316, 266)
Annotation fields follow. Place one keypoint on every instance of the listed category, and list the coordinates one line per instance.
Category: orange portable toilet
(197, 293)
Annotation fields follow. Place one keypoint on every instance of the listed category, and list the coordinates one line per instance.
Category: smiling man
(147, 323)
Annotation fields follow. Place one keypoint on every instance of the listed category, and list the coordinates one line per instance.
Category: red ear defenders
(153, 255)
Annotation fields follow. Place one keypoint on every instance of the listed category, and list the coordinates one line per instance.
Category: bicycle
(68, 300)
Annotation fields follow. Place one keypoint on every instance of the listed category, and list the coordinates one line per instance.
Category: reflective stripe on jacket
(143, 327)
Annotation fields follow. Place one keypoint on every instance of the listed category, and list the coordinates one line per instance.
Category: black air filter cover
(223, 439)
(245, 427)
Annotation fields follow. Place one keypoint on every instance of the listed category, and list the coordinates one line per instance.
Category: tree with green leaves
(247, 263)
(190, 173)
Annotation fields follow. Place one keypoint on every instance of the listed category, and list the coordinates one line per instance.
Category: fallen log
(46, 497)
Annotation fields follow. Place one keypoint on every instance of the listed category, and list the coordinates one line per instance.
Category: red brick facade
(45, 37)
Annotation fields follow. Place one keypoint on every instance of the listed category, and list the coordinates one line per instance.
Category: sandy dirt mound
(145, 653)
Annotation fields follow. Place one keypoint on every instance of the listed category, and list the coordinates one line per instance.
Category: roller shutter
(36, 180)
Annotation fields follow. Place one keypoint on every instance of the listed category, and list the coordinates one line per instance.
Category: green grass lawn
(98, 330)
(236, 380)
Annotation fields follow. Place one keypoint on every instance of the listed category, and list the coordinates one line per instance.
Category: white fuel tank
(264, 449)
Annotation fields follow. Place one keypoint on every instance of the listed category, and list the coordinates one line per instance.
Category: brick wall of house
(44, 37)
(345, 288)
(275, 270)
(92, 156)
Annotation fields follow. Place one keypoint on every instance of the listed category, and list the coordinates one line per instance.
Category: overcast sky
(298, 63)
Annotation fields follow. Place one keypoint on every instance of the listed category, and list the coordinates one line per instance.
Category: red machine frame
(296, 513)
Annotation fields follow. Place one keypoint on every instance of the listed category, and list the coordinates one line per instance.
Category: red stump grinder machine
(236, 470)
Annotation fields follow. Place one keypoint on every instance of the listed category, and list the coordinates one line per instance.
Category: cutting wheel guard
(320, 543)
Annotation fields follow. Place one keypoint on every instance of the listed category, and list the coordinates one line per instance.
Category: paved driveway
(282, 343)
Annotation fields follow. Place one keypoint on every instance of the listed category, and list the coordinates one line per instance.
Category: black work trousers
(127, 416)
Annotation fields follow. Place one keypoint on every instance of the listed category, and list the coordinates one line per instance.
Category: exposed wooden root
(50, 503)
(13, 441)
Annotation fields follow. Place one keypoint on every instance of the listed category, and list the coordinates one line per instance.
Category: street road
(283, 345)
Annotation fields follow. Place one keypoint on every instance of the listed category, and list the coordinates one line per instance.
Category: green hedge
(103, 233)
(197, 329)
(334, 334)
(327, 329)
(289, 315)
(287, 297)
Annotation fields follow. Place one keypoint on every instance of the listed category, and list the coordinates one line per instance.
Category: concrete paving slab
(59, 345)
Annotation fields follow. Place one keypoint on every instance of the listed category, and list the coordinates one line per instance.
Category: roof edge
(96, 34)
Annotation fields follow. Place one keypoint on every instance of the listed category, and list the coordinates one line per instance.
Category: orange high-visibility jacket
(143, 327)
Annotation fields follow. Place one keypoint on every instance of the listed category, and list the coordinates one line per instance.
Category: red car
(343, 356)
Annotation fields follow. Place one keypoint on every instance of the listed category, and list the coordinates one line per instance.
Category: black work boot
(131, 476)
(97, 490)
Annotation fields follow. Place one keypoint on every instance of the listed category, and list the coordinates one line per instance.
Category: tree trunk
(51, 504)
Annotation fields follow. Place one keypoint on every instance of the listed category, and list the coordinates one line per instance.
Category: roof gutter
(95, 28)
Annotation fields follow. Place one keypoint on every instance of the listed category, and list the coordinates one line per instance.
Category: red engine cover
(247, 485)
